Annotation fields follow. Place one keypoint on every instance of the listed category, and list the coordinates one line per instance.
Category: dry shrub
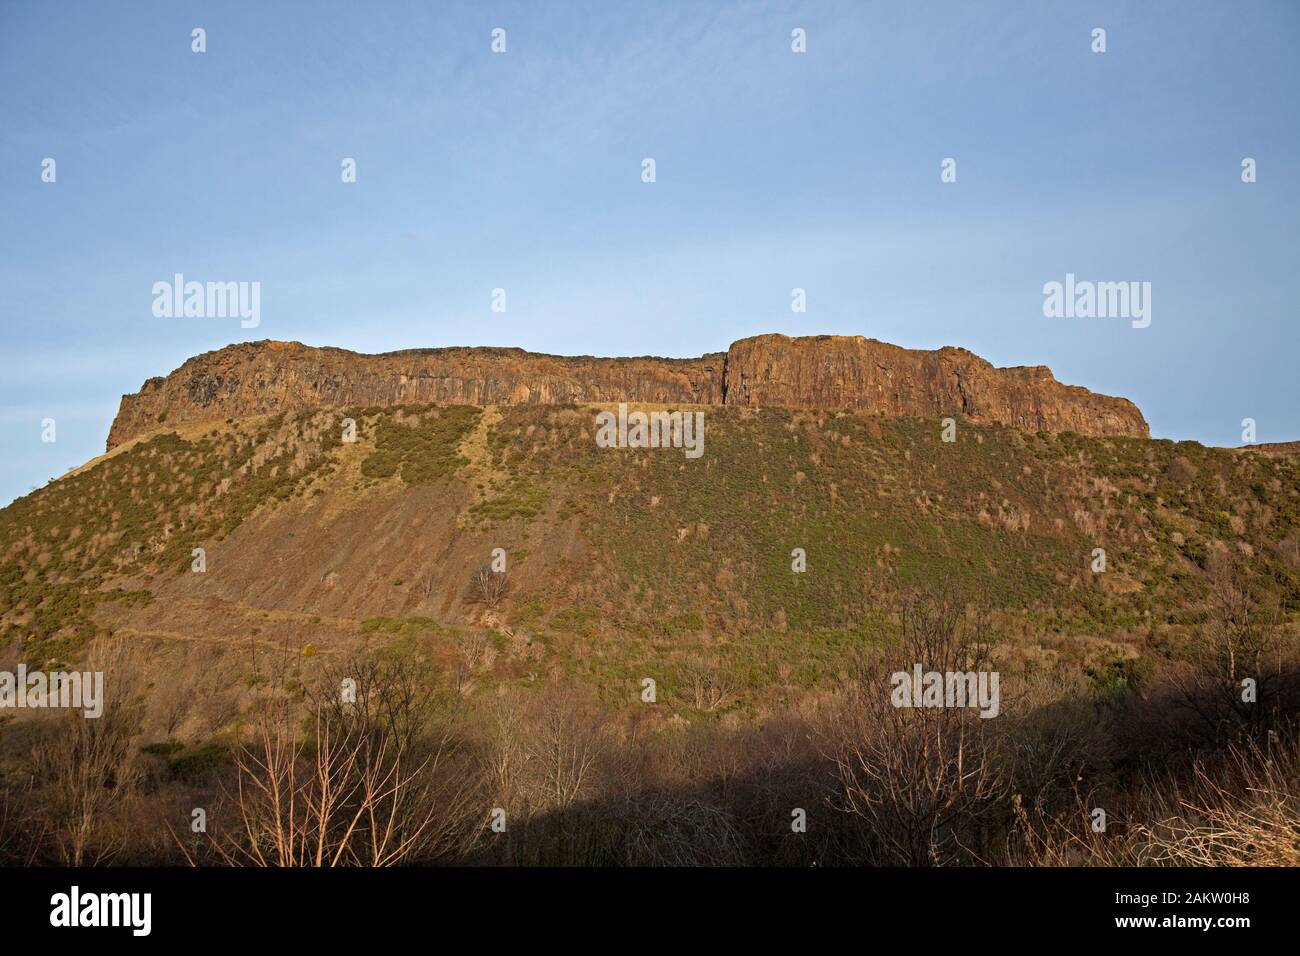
(1181, 471)
(667, 830)
(1065, 836)
(12, 829)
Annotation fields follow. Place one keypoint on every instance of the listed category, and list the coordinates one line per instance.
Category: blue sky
(775, 170)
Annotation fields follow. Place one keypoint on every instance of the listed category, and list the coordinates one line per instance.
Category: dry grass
(1242, 810)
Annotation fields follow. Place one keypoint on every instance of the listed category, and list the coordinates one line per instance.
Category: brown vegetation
(381, 762)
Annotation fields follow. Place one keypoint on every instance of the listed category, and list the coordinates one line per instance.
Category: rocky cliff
(814, 372)
(258, 378)
(842, 371)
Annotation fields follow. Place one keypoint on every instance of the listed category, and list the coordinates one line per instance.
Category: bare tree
(369, 787)
(474, 652)
(85, 769)
(921, 778)
(705, 683)
(506, 754)
(1240, 644)
(568, 741)
(489, 586)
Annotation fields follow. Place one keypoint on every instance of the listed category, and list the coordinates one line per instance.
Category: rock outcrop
(813, 372)
(259, 378)
(843, 371)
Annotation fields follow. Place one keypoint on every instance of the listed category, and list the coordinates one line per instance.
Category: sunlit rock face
(822, 371)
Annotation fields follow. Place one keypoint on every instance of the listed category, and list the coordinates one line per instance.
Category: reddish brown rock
(849, 371)
(815, 372)
(258, 378)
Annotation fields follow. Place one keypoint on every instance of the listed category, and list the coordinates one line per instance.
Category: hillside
(625, 561)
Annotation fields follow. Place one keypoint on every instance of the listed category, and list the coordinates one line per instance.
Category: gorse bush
(424, 451)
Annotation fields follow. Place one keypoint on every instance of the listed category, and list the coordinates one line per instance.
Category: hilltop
(772, 371)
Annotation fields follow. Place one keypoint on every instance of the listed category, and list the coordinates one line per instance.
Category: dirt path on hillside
(235, 643)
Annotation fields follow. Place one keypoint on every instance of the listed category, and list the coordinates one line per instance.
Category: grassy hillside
(622, 560)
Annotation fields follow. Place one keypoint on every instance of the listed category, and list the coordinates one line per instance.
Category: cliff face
(814, 372)
(841, 371)
(266, 377)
